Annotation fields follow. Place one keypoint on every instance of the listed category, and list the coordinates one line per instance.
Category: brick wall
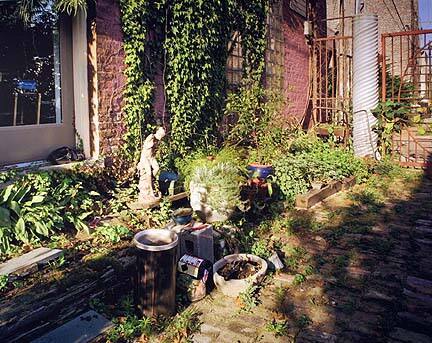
(110, 75)
(296, 74)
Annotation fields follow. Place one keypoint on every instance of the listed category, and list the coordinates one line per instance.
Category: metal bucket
(155, 276)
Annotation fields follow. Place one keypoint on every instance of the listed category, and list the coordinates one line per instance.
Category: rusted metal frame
(384, 69)
(326, 85)
(332, 38)
(337, 18)
(407, 33)
(314, 81)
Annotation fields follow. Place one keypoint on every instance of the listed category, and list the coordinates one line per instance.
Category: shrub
(314, 161)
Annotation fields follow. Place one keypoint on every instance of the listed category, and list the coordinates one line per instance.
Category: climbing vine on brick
(139, 88)
(196, 35)
(196, 45)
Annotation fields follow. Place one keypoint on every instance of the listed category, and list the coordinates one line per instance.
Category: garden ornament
(148, 168)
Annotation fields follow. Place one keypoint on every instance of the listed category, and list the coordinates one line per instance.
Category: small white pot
(234, 287)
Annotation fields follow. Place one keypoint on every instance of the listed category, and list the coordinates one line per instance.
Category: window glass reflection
(29, 66)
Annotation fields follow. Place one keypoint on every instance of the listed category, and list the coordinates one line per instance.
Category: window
(29, 67)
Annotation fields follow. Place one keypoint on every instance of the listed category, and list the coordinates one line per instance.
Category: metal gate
(332, 80)
(406, 78)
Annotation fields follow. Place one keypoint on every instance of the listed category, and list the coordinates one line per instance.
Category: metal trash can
(155, 276)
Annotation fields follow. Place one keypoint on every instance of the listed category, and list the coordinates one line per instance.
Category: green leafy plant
(130, 328)
(256, 113)
(38, 204)
(182, 327)
(111, 233)
(392, 117)
(137, 16)
(4, 280)
(261, 249)
(222, 182)
(58, 262)
(249, 299)
(314, 161)
(278, 327)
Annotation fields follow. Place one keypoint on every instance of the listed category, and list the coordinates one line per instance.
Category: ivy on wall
(138, 88)
(196, 35)
(196, 56)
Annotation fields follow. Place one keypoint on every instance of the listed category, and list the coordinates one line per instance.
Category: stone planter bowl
(234, 287)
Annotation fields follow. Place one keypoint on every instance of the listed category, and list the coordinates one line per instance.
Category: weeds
(4, 279)
(278, 327)
(111, 233)
(58, 262)
(249, 298)
(298, 279)
(183, 326)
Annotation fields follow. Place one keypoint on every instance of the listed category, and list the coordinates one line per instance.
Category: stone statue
(148, 167)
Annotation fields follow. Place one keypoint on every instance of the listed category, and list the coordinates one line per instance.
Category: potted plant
(233, 274)
(215, 190)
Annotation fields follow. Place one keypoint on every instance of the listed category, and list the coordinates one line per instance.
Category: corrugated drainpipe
(365, 84)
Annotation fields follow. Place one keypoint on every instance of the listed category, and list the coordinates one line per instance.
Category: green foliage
(183, 326)
(129, 329)
(71, 7)
(162, 214)
(392, 117)
(317, 162)
(249, 299)
(200, 158)
(261, 249)
(222, 182)
(136, 16)
(256, 111)
(396, 88)
(197, 50)
(39, 204)
(111, 233)
(4, 279)
(58, 262)
(278, 327)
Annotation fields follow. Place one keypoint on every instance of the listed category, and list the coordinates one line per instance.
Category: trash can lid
(155, 240)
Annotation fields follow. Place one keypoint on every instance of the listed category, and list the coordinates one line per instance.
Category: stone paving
(381, 290)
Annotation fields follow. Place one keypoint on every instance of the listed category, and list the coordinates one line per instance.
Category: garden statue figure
(148, 167)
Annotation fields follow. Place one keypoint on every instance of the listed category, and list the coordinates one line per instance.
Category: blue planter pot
(260, 171)
(167, 180)
(182, 216)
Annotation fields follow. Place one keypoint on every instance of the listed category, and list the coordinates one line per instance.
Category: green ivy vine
(195, 43)
(138, 89)
(196, 55)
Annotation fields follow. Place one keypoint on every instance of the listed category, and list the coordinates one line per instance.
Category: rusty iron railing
(406, 78)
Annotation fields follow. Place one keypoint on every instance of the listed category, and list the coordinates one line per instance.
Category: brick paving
(372, 286)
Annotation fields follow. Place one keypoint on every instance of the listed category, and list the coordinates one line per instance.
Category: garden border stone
(30, 261)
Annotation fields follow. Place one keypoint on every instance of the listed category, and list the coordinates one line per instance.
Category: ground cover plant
(37, 205)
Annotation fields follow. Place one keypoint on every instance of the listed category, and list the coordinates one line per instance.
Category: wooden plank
(29, 261)
(314, 196)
